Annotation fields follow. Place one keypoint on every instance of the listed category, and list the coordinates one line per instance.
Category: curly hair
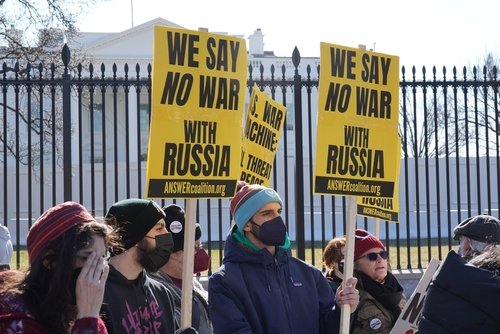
(333, 252)
(47, 283)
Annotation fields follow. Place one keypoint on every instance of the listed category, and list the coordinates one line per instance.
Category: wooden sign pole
(187, 264)
(345, 310)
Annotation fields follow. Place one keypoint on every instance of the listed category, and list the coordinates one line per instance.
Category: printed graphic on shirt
(143, 319)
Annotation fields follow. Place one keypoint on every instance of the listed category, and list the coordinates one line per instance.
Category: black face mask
(272, 232)
(72, 284)
(153, 260)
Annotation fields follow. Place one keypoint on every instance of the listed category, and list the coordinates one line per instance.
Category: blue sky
(424, 32)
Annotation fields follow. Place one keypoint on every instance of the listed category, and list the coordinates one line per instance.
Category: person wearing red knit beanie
(63, 289)
(381, 297)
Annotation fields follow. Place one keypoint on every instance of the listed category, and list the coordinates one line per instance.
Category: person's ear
(247, 227)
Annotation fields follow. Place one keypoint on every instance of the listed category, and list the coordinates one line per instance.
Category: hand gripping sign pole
(188, 262)
(345, 310)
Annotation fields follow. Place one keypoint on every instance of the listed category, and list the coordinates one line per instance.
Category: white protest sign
(409, 318)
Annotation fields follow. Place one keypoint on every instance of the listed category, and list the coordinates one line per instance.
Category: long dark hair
(47, 285)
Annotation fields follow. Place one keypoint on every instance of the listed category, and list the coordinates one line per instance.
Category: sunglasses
(373, 256)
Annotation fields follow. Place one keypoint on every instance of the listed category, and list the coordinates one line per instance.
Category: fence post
(66, 104)
(299, 167)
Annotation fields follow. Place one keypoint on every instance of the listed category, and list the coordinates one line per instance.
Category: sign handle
(345, 310)
(187, 264)
(377, 227)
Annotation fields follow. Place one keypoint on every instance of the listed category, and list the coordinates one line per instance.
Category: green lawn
(314, 255)
(413, 260)
(23, 260)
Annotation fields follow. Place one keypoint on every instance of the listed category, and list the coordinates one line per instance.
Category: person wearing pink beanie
(381, 297)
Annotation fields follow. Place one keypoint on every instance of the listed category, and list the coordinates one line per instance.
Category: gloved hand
(189, 330)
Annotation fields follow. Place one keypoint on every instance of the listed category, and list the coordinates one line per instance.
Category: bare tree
(428, 125)
(454, 113)
(483, 105)
(32, 31)
(32, 34)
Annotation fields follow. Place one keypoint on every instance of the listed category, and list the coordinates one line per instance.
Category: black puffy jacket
(461, 299)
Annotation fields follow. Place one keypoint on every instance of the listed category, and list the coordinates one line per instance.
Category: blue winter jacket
(254, 292)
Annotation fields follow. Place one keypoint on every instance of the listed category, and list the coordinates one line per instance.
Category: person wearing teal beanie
(261, 287)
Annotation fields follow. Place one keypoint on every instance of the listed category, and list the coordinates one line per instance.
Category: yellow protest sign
(198, 93)
(386, 208)
(358, 111)
(263, 126)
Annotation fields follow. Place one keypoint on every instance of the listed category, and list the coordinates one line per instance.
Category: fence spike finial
(65, 55)
(296, 57)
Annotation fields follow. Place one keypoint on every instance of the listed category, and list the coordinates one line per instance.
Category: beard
(153, 258)
(143, 256)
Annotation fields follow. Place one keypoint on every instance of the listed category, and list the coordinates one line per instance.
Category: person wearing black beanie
(171, 272)
(134, 301)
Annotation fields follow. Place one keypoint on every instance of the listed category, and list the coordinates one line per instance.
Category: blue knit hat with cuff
(248, 200)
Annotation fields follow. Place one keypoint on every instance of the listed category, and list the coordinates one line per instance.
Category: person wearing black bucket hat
(133, 301)
(475, 233)
(171, 273)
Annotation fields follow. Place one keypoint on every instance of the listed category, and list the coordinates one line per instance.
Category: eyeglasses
(373, 256)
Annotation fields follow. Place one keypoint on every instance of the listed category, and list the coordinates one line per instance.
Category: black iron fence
(82, 135)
